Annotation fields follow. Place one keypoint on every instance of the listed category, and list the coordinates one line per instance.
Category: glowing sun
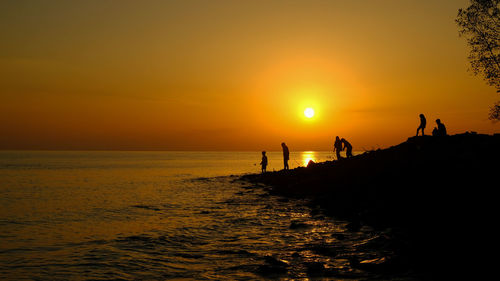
(309, 112)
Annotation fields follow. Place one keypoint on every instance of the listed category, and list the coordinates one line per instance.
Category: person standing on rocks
(347, 147)
(337, 147)
(286, 156)
(423, 122)
(263, 163)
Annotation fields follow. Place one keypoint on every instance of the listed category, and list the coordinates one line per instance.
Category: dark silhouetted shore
(434, 196)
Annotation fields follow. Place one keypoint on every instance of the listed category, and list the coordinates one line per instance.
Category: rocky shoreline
(434, 195)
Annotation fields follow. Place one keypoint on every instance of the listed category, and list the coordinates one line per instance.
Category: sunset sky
(233, 75)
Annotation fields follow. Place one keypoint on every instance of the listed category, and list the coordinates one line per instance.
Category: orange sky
(232, 75)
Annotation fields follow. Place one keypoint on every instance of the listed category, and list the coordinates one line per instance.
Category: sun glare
(309, 112)
(308, 156)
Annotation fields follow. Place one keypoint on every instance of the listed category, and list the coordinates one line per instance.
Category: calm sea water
(157, 216)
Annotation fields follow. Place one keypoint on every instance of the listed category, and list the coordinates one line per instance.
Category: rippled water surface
(162, 215)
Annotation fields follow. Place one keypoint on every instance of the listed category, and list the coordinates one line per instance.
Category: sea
(126, 215)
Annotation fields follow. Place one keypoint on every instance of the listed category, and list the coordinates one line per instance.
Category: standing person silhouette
(348, 148)
(423, 122)
(337, 147)
(263, 163)
(286, 156)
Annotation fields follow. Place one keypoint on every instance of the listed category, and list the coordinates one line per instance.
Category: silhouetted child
(348, 148)
(263, 163)
(337, 147)
(286, 156)
(423, 122)
(440, 130)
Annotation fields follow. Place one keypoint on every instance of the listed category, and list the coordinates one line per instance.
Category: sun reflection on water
(308, 156)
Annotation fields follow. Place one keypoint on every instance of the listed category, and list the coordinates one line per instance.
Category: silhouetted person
(440, 130)
(263, 163)
(423, 122)
(337, 147)
(286, 156)
(435, 132)
(347, 147)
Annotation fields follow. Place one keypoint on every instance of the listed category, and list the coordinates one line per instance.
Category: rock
(315, 269)
(275, 262)
(324, 250)
(353, 226)
(296, 255)
(422, 187)
(338, 236)
(273, 266)
(266, 270)
(298, 225)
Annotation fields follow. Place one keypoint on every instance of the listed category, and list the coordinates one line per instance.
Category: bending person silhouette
(263, 163)
(440, 130)
(423, 122)
(347, 147)
(286, 156)
(337, 147)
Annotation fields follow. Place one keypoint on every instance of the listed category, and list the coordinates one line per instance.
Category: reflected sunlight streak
(308, 156)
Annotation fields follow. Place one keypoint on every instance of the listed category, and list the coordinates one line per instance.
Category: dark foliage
(495, 111)
(480, 24)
